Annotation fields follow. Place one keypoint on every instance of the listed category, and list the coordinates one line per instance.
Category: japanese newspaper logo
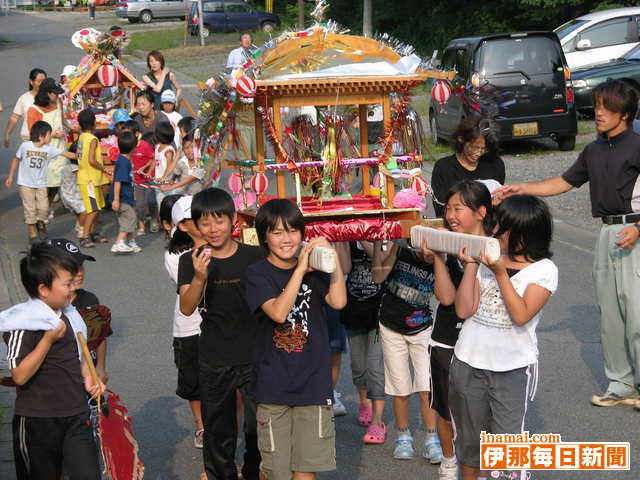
(524, 451)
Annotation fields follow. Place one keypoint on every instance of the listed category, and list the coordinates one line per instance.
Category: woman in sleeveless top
(46, 108)
(36, 76)
(160, 78)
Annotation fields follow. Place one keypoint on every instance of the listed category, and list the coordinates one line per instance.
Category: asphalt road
(140, 358)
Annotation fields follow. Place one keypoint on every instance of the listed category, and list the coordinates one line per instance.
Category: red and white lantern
(441, 92)
(246, 86)
(259, 183)
(108, 75)
(420, 186)
(235, 183)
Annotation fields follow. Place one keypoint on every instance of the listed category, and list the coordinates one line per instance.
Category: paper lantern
(108, 75)
(235, 183)
(420, 186)
(441, 92)
(246, 86)
(259, 183)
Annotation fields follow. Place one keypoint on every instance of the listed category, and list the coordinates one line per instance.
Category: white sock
(449, 461)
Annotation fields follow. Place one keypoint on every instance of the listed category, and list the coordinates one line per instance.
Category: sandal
(86, 243)
(366, 415)
(376, 434)
(97, 238)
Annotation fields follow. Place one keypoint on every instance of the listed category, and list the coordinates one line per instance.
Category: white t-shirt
(161, 159)
(174, 118)
(34, 161)
(489, 340)
(21, 108)
(183, 325)
(237, 57)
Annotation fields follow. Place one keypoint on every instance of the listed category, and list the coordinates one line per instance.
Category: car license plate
(525, 129)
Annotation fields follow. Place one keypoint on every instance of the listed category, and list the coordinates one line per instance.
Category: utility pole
(367, 27)
(300, 14)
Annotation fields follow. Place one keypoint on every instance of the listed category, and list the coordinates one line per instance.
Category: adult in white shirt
(36, 76)
(238, 56)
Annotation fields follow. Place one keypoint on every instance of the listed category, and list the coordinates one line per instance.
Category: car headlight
(579, 83)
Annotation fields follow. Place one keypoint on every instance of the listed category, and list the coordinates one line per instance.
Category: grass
(586, 127)
(156, 40)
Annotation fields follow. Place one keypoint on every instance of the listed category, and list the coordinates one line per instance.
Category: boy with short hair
(143, 163)
(31, 160)
(50, 426)
(293, 383)
(189, 177)
(211, 278)
(83, 300)
(122, 200)
(91, 174)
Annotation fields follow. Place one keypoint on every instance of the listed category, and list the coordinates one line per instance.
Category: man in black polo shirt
(611, 165)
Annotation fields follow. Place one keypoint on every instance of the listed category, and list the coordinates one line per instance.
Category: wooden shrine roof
(353, 84)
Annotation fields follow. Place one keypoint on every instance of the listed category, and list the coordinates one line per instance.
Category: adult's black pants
(218, 387)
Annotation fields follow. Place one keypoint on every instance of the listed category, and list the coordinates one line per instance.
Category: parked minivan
(230, 16)
(599, 37)
(520, 80)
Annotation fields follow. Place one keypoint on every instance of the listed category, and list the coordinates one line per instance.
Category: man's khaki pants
(616, 273)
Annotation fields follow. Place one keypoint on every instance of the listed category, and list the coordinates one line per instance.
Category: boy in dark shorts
(292, 355)
(51, 430)
(212, 279)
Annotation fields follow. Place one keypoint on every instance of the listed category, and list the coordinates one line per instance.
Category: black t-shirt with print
(448, 171)
(405, 303)
(84, 299)
(363, 295)
(228, 327)
(57, 387)
(447, 324)
(292, 360)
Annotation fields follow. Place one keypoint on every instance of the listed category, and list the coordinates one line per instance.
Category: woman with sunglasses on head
(475, 158)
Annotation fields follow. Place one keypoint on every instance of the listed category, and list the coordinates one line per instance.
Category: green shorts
(296, 439)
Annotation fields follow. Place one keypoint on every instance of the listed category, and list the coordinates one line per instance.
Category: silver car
(146, 10)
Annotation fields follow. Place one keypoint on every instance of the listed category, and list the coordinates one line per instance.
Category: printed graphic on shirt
(36, 159)
(360, 283)
(292, 335)
(492, 312)
(413, 285)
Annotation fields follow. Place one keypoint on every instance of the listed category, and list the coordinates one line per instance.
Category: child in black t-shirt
(51, 422)
(211, 279)
(292, 356)
(405, 328)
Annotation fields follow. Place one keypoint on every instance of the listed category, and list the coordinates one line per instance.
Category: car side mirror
(583, 44)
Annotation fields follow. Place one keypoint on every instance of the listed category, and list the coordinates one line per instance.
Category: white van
(599, 37)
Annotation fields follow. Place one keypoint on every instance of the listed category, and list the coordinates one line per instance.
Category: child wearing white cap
(168, 101)
(175, 214)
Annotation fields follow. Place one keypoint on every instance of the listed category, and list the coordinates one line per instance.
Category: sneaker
(432, 450)
(404, 447)
(42, 230)
(448, 470)
(140, 231)
(50, 216)
(339, 410)
(154, 227)
(134, 246)
(610, 399)
(121, 248)
(198, 438)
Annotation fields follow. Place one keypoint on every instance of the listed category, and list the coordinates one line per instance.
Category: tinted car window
(455, 59)
(449, 59)
(236, 8)
(213, 7)
(532, 55)
(564, 30)
(611, 32)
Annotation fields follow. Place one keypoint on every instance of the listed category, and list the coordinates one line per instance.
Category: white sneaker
(121, 248)
(448, 470)
(339, 410)
(134, 246)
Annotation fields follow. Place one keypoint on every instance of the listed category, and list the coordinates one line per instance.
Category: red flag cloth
(119, 448)
(356, 230)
